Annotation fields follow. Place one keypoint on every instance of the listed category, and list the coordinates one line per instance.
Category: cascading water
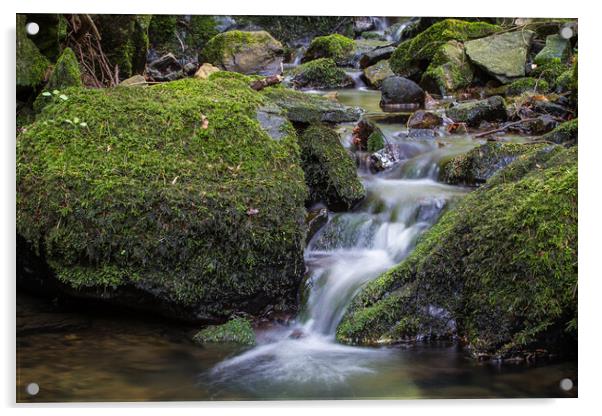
(350, 250)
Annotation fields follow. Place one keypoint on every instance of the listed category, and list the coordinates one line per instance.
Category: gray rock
(474, 112)
(271, 120)
(315, 219)
(502, 55)
(166, 68)
(377, 73)
(400, 91)
(556, 48)
(376, 55)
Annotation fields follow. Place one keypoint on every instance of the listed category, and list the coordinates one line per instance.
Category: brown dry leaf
(204, 122)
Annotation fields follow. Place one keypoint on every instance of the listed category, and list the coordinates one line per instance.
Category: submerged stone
(424, 120)
(237, 330)
(399, 90)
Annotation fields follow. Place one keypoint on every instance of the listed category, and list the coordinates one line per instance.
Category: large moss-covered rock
(499, 270)
(169, 197)
(502, 55)
(330, 172)
(245, 52)
(124, 39)
(31, 64)
(66, 72)
(320, 73)
(556, 48)
(335, 46)
(237, 330)
(474, 112)
(301, 107)
(416, 53)
(377, 73)
(449, 70)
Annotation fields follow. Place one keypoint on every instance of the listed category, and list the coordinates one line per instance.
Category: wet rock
(474, 112)
(481, 163)
(470, 268)
(362, 24)
(375, 55)
(556, 48)
(237, 330)
(523, 85)
(134, 81)
(377, 73)
(504, 55)
(336, 47)
(330, 172)
(273, 121)
(205, 70)
(255, 53)
(536, 126)
(424, 120)
(297, 334)
(300, 107)
(166, 68)
(320, 73)
(449, 70)
(565, 134)
(315, 220)
(551, 108)
(397, 91)
(382, 160)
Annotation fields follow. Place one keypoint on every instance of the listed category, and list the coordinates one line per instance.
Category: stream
(134, 359)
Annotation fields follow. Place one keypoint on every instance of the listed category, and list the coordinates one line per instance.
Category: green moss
(310, 108)
(237, 330)
(227, 43)
(556, 48)
(376, 141)
(320, 73)
(420, 50)
(207, 219)
(482, 162)
(31, 64)
(337, 47)
(502, 263)
(52, 33)
(523, 85)
(575, 84)
(202, 28)
(566, 133)
(550, 71)
(124, 41)
(162, 29)
(330, 172)
(449, 69)
(65, 73)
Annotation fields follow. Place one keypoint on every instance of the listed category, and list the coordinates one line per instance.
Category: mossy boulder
(550, 71)
(424, 120)
(481, 163)
(449, 70)
(124, 39)
(169, 197)
(527, 85)
(320, 73)
(499, 270)
(556, 48)
(31, 64)
(330, 172)
(415, 54)
(255, 53)
(474, 112)
(337, 47)
(237, 330)
(66, 72)
(377, 73)
(181, 35)
(376, 141)
(300, 107)
(565, 134)
(502, 55)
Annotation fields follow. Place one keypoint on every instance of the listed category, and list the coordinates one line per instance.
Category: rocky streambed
(417, 202)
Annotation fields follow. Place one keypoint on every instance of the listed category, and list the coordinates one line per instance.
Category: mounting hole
(566, 384)
(566, 32)
(32, 28)
(32, 389)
